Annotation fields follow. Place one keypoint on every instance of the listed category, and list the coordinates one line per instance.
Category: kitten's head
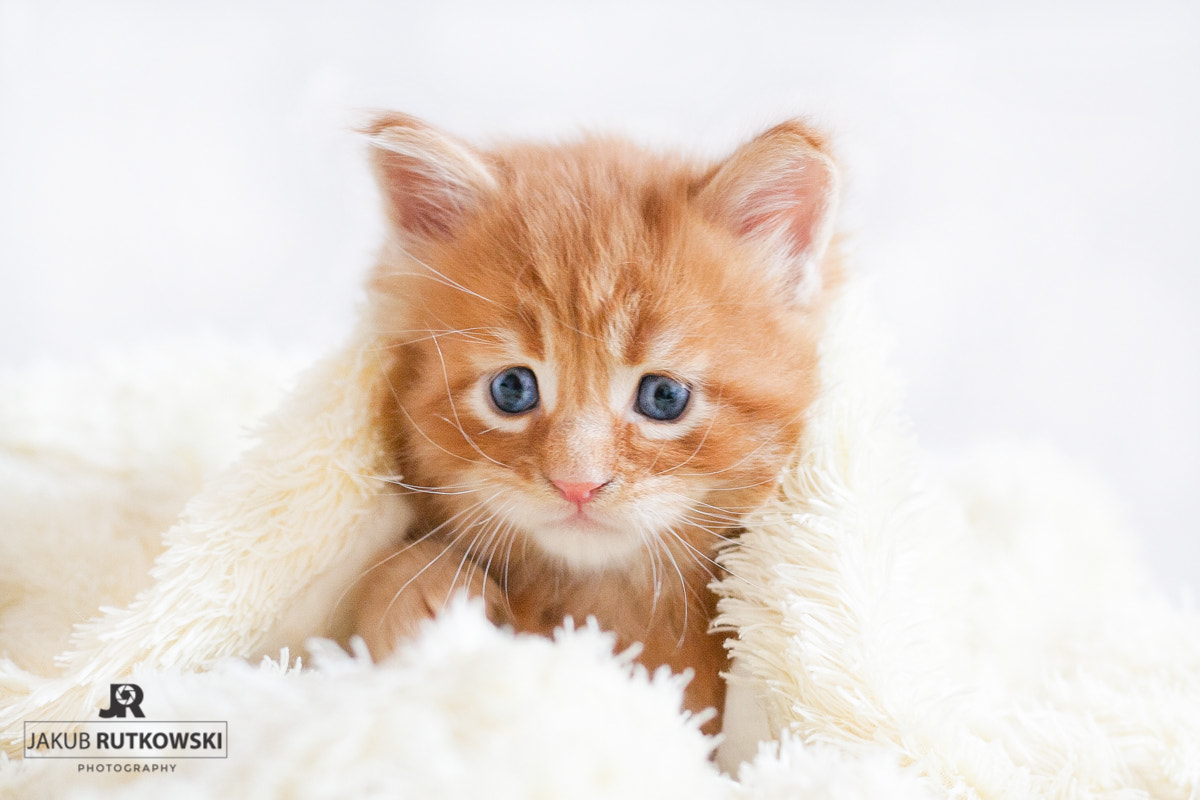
(602, 351)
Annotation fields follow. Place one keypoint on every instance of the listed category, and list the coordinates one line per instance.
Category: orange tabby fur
(592, 263)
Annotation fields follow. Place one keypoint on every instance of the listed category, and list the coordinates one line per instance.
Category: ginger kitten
(600, 360)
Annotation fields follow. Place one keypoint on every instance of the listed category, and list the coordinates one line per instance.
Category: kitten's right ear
(430, 181)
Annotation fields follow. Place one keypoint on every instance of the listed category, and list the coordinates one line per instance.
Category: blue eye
(515, 390)
(661, 398)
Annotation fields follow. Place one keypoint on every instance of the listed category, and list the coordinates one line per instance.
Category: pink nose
(578, 493)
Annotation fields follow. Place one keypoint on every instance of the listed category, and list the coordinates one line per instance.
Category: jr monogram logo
(123, 697)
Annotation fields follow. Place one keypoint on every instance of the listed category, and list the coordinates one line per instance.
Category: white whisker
(683, 588)
(396, 554)
(458, 422)
(470, 510)
(444, 280)
(700, 444)
(413, 422)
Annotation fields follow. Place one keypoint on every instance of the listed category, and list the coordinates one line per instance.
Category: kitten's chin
(586, 545)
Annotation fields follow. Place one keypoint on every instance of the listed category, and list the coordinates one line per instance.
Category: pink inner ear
(418, 202)
(428, 179)
(793, 202)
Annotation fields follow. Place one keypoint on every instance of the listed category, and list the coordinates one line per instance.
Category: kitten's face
(592, 361)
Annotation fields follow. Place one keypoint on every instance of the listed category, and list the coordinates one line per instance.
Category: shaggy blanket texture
(980, 630)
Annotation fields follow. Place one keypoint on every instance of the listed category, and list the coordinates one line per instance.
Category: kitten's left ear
(782, 190)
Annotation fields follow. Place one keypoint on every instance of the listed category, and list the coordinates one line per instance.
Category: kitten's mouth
(580, 519)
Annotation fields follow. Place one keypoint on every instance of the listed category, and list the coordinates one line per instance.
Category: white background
(1022, 182)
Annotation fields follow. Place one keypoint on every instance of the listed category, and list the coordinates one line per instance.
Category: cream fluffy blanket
(903, 631)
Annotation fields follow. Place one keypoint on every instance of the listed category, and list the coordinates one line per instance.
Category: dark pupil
(661, 398)
(515, 390)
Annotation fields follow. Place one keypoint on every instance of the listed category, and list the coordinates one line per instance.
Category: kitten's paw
(414, 585)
